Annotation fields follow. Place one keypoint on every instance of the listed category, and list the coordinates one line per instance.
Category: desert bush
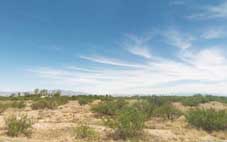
(207, 119)
(129, 123)
(84, 100)
(145, 107)
(49, 103)
(18, 104)
(14, 104)
(85, 132)
(109, 107)
(158, 100)
(44, 104)
(18, 125)
(59, 100)
(3, 107)
(167, 111)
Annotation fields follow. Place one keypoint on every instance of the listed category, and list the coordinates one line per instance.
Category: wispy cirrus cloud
(138, 46)
(110, 61)
(179, 40)
(214, 11)
(205, 66)
(214, 33)
(193, 71)
(140, 51)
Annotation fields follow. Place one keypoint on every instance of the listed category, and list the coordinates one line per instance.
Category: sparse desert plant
(207, 119)
(60, 100)
(49, 103)
(44, 104)
(145, 107)
(129, 123)
(109, 107)
(85, 132)
(18, 104)
(167, 111)
(84, 100)
(4, 106)
(14, 104)
(17, 125)
(158, 100)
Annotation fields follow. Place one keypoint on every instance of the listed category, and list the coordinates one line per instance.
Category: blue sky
(118, 46)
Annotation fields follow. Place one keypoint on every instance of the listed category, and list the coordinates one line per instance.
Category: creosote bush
(17, 125)
(146, 107)
(85, 132)
(127, 124)
(49, 103)
(167, 111)
(12, 104)
(84, 100)
(207, 119)
(18, 104)
(109, 108)
(44, 104)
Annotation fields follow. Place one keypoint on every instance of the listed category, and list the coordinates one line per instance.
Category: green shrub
(85, 132)
(49, 103)
(196, 100)
(109, 107)
(145, 107)
(84, 100)
(59, 100)
(18, 125)
(14, 104)
(44, 104)
(158, 100)
(129, 123)
(3, 107)
(18, 104)
(167, 111)
(207, 119)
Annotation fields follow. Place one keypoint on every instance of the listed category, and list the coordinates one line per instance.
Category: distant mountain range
(63, 92)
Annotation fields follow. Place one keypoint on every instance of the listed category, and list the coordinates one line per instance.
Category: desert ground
(57, 125)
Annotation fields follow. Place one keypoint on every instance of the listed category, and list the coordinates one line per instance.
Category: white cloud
(137, 46)
(140, 51)
(208, 65)
(198, 70)
(213, 34)
(110, 61)
(179, 40)
(215, 11)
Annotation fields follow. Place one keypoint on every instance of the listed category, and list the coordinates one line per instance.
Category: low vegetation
(146, 107)
(167, 111)
(85, 132)
(17, 125)
(127, 124)
(51, 101)
(208, 119)
(12, 104)
(18, 104)
(126, 116)
(109, 107)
